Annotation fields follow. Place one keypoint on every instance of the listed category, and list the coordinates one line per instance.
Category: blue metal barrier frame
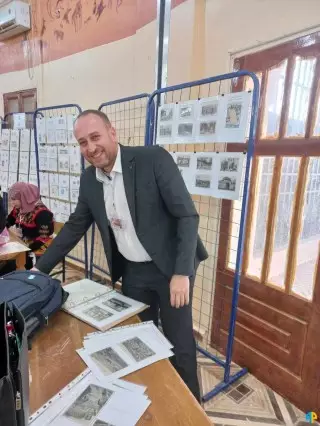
(37, 112)
(228, 378)
(106, 104)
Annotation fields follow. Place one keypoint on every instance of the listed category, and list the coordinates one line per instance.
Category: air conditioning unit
(14, 18)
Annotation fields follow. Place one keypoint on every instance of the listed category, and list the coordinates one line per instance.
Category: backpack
(36, 295)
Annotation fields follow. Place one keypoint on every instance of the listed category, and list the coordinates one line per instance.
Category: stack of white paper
(118, 352)
(89, 401)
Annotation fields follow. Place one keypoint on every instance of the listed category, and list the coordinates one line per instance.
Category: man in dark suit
(149, 229)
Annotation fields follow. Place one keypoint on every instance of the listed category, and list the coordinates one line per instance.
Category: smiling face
(97, 140)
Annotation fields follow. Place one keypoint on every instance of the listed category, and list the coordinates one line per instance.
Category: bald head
(97, 139)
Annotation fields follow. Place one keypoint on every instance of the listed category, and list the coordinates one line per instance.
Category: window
(283, 224)
(23, 101)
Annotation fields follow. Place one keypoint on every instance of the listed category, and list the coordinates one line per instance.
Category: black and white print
(229, 164)
(97, 313)
(186, 111)
(185, 130)
(116, 304)
(138, 349)
(88, 405)
(207, 128)
(183, 160)
(165, 131)
(108, 360)
(166, 113)
(203, 181)
(204, 163)
(209, 109)
(101, 423)
(227, 183)
(233, 117)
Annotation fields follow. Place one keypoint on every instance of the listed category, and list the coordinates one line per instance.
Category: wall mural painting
(63, 27)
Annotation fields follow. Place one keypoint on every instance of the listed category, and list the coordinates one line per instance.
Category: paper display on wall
(14, 161)
(234, 113)
(14, 140)
(25, 140)
(23, 177)
(74, 188)
(54, 185)
(43, 157)
(44, 183)
(64, 188)
(4, 181)
(12, 179)
(166, 123)
(211, 174)
(33, 179)
(5, 139)
(185, 122)
(52, 158)
(223, 118)
(207, 119)
(4, 160)
(41, 130)
(24, 162)
(19, 121)
(75, 160)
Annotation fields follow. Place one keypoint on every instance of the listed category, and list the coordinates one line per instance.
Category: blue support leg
(224, 385)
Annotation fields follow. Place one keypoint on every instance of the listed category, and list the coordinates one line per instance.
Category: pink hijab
(27, 194)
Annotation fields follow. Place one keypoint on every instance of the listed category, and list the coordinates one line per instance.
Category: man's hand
(35, 269)
(179, 291)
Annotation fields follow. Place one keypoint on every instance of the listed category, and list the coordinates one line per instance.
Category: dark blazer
(162, 211)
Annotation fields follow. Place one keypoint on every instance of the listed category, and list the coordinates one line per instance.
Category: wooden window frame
(277, 147)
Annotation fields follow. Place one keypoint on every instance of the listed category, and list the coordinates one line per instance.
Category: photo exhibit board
(210, 174)
(17, 156)
(215, 119)
(59, 162)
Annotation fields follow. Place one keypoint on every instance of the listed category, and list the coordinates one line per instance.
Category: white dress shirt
(117, 208)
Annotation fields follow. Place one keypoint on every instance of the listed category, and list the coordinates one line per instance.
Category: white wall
(233, 25)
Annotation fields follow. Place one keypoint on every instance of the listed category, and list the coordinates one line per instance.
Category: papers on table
(13, 247)
(99, 305)
(89, 401)
(121, 351)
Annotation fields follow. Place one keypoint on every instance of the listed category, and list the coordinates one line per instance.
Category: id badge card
(117, 223)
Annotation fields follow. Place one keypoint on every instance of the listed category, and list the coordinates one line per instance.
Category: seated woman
(32, 220)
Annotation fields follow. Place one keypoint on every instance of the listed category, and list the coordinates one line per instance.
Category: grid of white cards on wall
(17, 157)
(59, 161)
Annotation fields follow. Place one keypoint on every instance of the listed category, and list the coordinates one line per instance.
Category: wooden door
(278, 319)
(22, 101)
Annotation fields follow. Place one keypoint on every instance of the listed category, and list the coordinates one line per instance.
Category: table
(19, 256)
(54, 363)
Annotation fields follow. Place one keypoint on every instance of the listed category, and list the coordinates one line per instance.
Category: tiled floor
(247, 402)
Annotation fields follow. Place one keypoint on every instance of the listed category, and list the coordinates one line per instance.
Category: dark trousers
(145, 283)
